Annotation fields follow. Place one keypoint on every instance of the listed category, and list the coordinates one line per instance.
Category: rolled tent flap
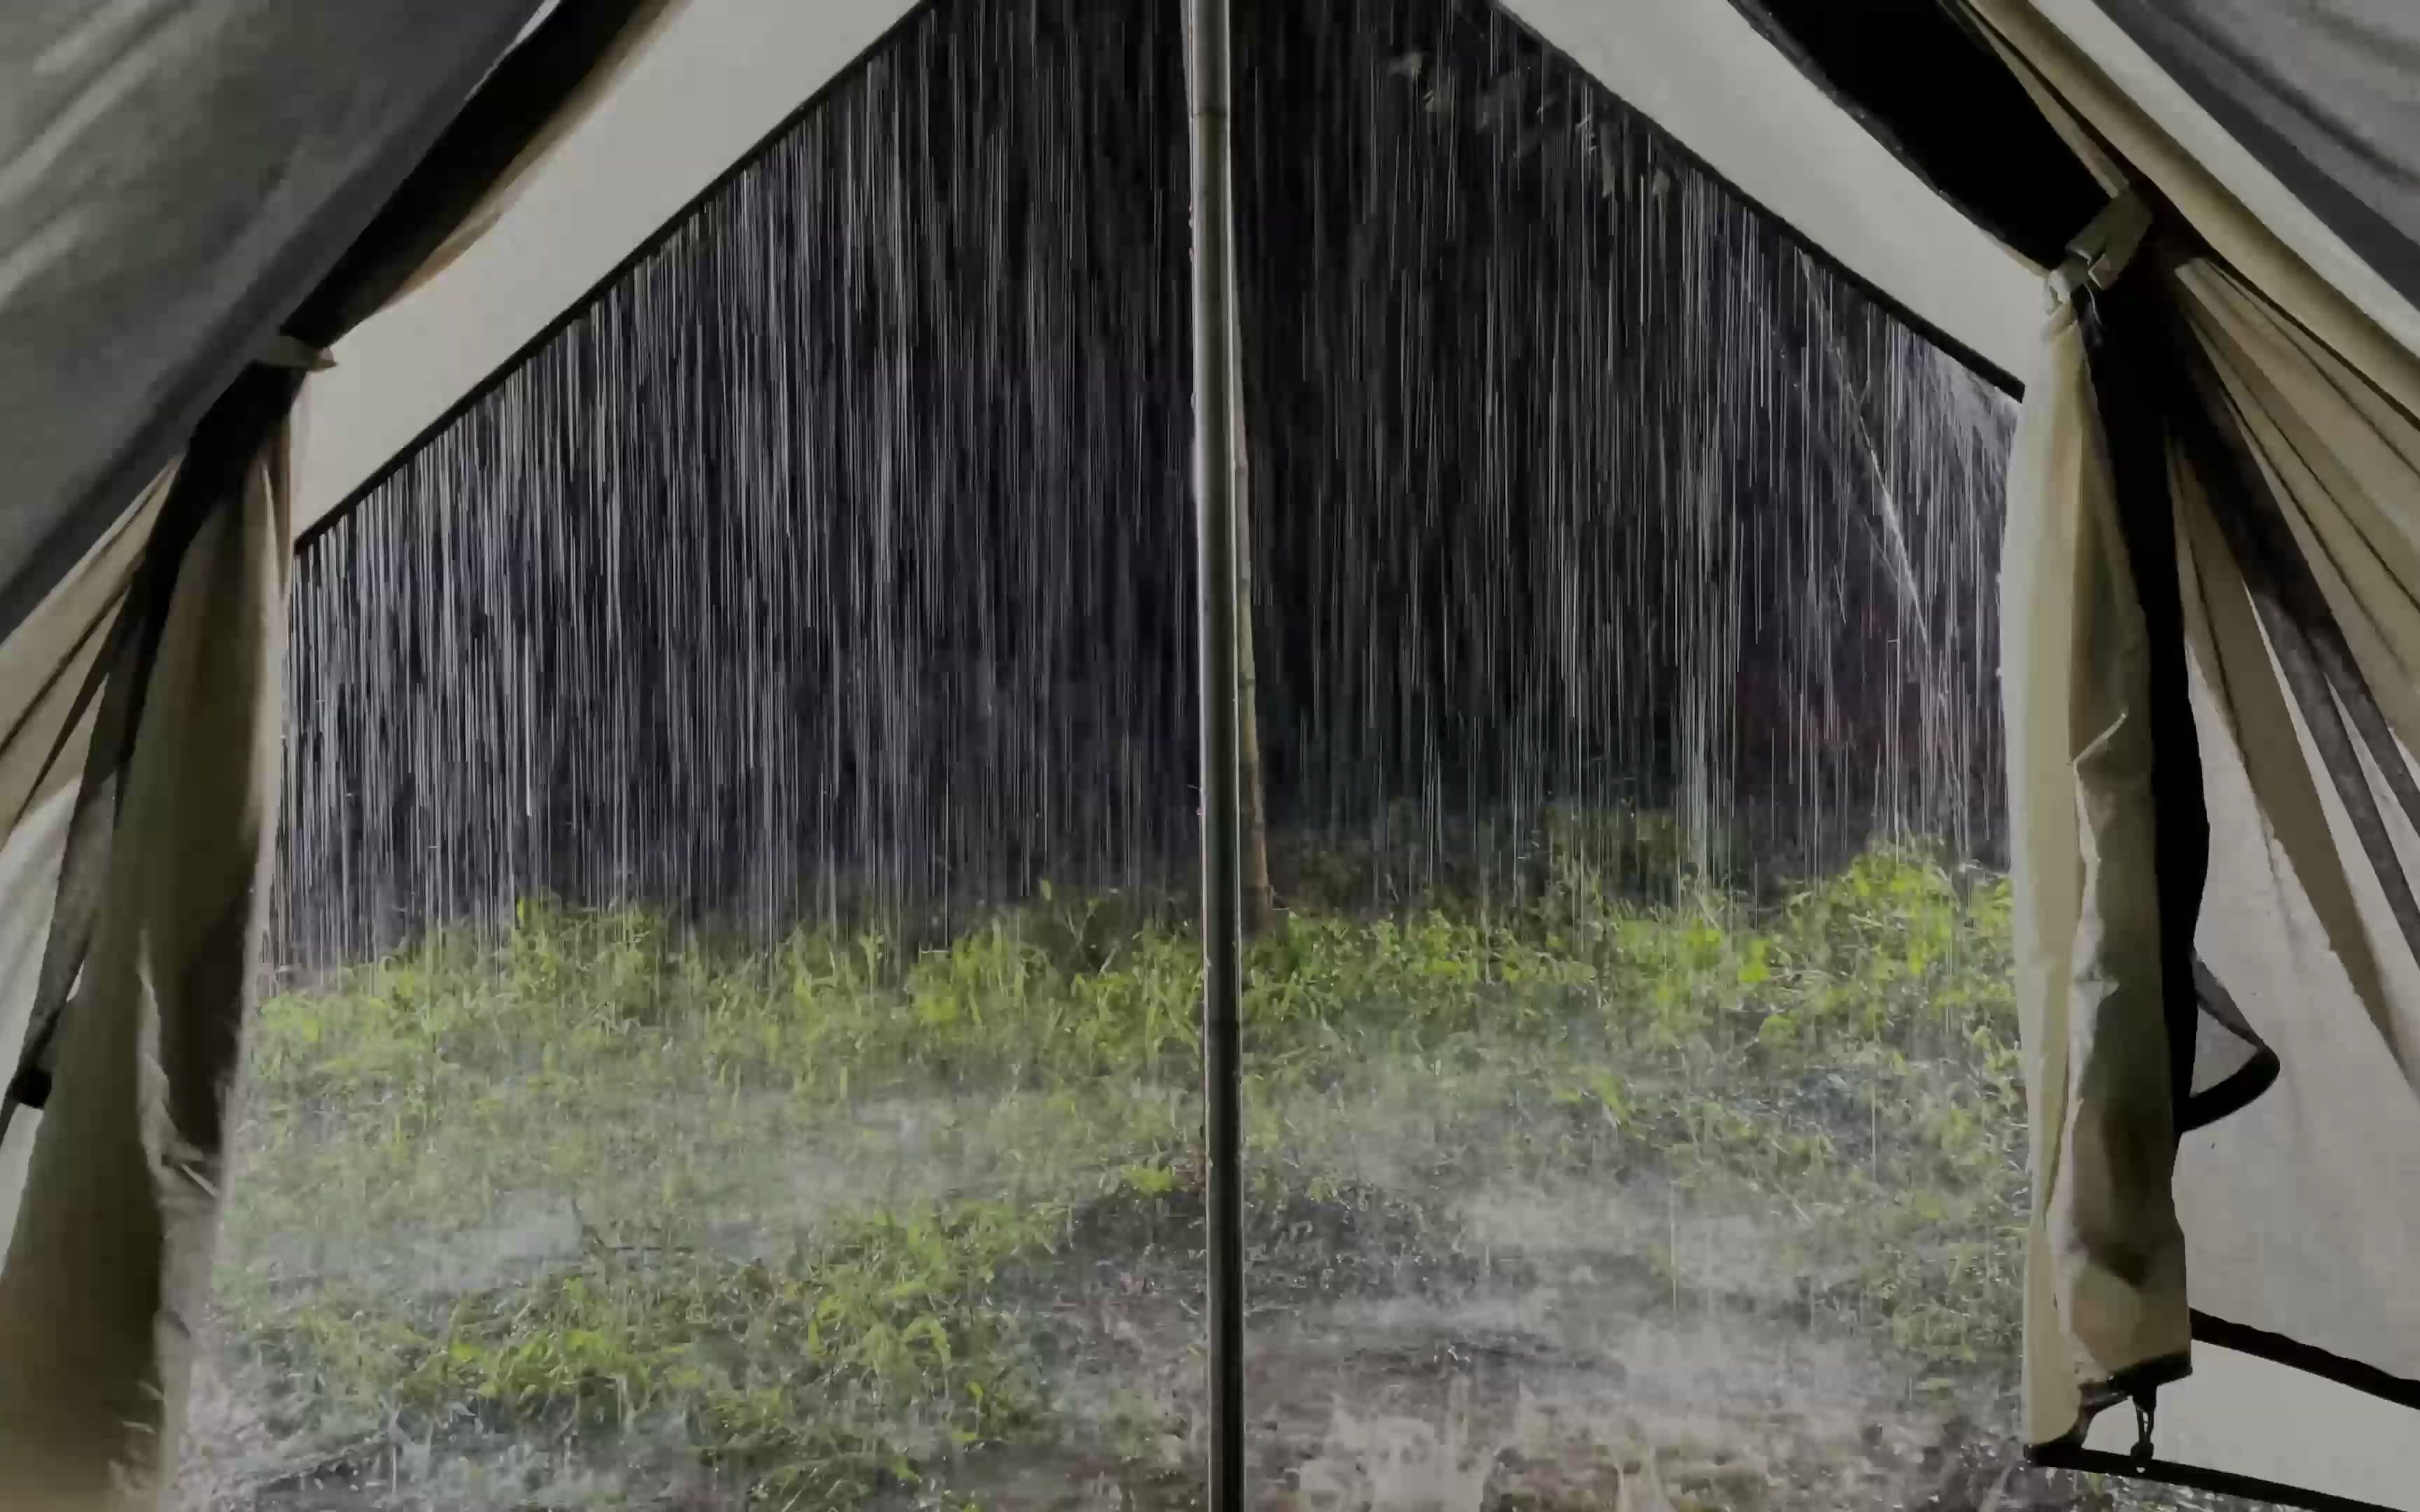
(108, 1264)
(2273, 381)
(172, 183)
(29, 869)
(45, 668)
(2106, 1291)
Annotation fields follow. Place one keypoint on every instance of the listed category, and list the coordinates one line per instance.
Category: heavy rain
(733, 1040)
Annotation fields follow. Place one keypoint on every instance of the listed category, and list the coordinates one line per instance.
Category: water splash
(834, 564)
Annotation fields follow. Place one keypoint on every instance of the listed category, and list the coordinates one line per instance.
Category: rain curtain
(154, 668)
(2212, 633)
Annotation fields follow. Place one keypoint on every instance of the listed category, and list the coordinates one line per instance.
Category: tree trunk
(1259, 901)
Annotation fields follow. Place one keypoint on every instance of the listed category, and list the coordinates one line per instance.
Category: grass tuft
(811, 1220)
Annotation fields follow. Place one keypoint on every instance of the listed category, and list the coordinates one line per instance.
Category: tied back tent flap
(129, 1009)
(2206, 596)
(2211, 598)
(2217, 458)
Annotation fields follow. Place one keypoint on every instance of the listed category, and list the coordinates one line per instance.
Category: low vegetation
(592, 1211)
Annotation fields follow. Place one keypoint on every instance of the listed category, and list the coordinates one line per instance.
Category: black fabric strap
(2308, 1358)
(2064, 1456)
(2121, 331)
(2239, 1089)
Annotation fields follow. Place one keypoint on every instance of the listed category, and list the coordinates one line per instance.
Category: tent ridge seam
(648, 246)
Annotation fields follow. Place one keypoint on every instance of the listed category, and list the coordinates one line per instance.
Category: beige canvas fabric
(2298, 920)
(2105, 1291)
(108, 1267)
(715, 76)
(628, 46)
(2299, 1214)
(44, 666)
(110, 1198)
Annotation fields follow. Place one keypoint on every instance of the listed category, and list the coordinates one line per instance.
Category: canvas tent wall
(2229, 383)
(2198, 884)
(2210, 869)
(190, 229)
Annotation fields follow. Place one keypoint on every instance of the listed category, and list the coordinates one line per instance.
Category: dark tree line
(840, 556)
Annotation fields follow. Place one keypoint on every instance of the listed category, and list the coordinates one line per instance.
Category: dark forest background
(838, 556)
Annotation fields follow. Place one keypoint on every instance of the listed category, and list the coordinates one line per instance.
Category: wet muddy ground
(1390, 1370)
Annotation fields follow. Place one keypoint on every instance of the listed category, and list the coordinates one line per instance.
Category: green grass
(812, 1214)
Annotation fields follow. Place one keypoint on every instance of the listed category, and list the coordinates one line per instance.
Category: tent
(2210, 641)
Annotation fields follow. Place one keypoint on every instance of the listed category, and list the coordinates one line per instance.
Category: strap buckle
(2147, 1408)
(2099, 254)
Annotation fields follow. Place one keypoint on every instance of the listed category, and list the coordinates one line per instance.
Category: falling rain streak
(826, 583)
(835, 558)
(1578, 484)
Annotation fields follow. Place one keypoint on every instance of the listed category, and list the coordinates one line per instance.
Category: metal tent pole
(1222, 909)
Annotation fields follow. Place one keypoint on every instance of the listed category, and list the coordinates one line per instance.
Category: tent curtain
(2270, 399)
(2105, 1301)
(156, 670)
(108, 1265)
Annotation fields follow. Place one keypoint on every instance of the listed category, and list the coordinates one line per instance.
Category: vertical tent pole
(1213, 404)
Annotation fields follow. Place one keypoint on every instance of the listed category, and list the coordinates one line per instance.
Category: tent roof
(1881, 130)
(2321, 92)
(1695, 67)
(172, 182)
(656, 143)
(1934, 94)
